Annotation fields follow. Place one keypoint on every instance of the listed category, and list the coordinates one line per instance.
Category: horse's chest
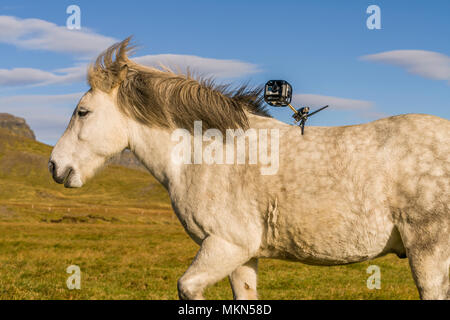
(206, 213)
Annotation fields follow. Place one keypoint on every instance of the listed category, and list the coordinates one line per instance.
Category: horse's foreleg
(243, 281)
(215, 260)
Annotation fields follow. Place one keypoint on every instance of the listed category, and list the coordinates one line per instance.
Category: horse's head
(97, 129)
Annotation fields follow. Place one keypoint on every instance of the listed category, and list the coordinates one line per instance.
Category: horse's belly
(331, 239)
(325, 254)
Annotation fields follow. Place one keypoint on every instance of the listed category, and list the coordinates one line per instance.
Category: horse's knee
(244, 281)
(188, 290)
(243, 290)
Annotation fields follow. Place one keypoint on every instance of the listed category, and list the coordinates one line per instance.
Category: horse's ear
(123, 73)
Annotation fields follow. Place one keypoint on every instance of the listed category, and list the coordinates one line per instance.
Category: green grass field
(120, 230)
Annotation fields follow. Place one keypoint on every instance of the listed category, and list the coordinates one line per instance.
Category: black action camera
(278, 93)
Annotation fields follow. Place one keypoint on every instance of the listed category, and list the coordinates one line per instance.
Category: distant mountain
(127, 159)
(16, 125)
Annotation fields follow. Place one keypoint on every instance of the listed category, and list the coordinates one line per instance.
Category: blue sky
(323, 48)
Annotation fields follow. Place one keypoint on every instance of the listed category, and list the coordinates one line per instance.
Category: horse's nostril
(51, 167)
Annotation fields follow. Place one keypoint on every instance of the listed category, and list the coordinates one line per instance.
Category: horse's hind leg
(430, 272)
(427, 244)
(243, 281)
(215, 260)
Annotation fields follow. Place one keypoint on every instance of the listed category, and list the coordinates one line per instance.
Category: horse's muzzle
(54, 172)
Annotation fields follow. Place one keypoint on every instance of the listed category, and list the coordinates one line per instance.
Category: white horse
(341, 194)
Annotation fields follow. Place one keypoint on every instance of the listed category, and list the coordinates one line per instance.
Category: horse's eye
(82, 113)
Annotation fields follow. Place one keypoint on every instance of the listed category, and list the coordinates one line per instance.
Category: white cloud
(203, 66)
(24, 76)
(39, 34)
(47, 115)
(38, 77)
(316, 100)
(363, 107)
(39, 100)
(428, 64)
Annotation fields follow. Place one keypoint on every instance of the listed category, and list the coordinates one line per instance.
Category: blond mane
(160, 97)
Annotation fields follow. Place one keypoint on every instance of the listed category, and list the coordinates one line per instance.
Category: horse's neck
(153, 146)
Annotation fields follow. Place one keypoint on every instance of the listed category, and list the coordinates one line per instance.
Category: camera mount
(278, 93)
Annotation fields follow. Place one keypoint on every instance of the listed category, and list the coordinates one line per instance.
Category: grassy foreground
(119, 229)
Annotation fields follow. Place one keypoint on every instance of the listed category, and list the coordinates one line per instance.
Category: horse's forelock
(108, 69)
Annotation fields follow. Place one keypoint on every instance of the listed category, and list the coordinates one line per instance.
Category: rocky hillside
(16, 125)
